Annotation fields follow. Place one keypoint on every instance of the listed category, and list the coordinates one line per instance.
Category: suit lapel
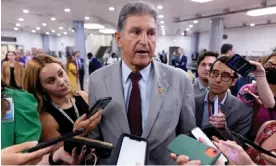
(225, 109)
(115, 89)
(199, 109)
(159, 90)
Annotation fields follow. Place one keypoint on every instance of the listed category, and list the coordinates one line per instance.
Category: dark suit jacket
(82, 65)
(94, 65)
(182, 63)
(238, 115)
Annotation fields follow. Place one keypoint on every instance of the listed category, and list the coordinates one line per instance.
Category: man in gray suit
(234, 114)
(204, 62)
(149, 99)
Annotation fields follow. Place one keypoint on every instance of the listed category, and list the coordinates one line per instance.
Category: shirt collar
(221, 103)
(200, 85)
(146, 72)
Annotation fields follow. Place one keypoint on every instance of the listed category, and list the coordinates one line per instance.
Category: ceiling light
(174, 40)
(21, 19)
(60, 28)
(65, 33)
(160, 16)
(107, 31)
(33, 31)
(261, 12)
(37, 28)
(86, 18)
(91, 34)
(73, 30)
(93, 26)
(111, 8)
(201, 1)
(17, 24)
(44, 24)
(162, 22)
(15, 28)
(210, 22)
(183, 33)
(187, 29)
(53, 18)
(58, 34)
(163, 33)
(195, 21)
(47, 33)
(160, 7)
(67, 10)
(162, 26)
(252, 25)
(25, 11)
(53, 31)
(191, 26)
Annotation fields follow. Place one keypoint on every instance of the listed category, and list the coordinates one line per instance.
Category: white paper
(216, 105)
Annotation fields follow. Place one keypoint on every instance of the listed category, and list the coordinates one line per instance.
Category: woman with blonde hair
(12, 71)
(72, 73)
(60, 110)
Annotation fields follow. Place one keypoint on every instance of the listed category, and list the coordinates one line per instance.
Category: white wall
(28, 40)
(165, 42)
(247, 41)
(94, 42)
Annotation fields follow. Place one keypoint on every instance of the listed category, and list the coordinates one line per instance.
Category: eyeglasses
(269, 65)
(225, 77)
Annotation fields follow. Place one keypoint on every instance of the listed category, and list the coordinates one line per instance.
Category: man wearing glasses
(233, 114)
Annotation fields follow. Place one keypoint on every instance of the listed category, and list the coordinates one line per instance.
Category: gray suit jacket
(171, 111)
(238, 115)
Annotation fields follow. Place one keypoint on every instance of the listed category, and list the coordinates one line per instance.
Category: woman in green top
(19, 117)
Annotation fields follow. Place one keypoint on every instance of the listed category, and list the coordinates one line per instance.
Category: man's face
(221, 78)
(179, 51)
(204, 67)
(231, 52)
(137, 40)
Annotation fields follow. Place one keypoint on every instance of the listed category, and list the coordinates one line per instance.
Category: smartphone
(247, 96)
(197, 132)
(253, 145)
(240, 65)
(184, 145)
(215, 105)
(211, 131)
(56, 140)
(100, 104)
(132, 150)
(102, 149)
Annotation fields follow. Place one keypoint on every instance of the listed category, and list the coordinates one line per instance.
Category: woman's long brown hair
(31, 82)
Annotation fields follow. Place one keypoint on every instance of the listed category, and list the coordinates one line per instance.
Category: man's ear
(234, 81)
(118, 39)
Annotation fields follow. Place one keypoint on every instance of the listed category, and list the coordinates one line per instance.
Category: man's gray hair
(136, 8)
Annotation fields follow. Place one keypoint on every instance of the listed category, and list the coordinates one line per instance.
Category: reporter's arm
(263, 87)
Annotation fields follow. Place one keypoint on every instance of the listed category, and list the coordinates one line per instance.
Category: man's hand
(184, 160)
(218, 120)
(12, 155)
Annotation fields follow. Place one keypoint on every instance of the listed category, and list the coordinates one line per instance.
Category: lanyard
(66, 115)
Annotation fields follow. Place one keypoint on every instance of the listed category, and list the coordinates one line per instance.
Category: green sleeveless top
(22, 124)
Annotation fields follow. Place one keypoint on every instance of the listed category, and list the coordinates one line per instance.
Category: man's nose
(143, 38)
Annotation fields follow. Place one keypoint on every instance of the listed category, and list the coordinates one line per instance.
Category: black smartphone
(247, 96)
(211, 131)
(240, 65)
(197, 132)
(131, 150)
(56, 140)
(102, 149)
(253, 145)
(100, 104)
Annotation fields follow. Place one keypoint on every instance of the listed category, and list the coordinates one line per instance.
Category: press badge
(8, 116)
